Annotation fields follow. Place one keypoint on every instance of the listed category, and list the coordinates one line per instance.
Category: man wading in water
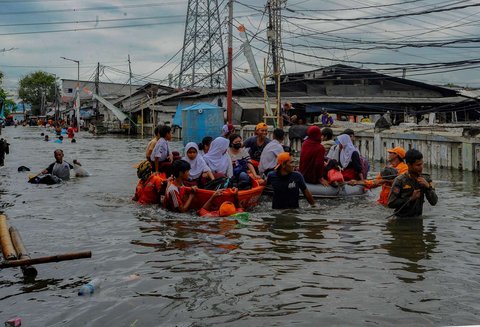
(410, 189)
(59, 168)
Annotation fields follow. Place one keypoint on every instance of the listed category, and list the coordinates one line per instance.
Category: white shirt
(268, 159)
(160, 151)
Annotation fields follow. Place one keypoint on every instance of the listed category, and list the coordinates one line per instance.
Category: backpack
(218, 183)
(365, 166)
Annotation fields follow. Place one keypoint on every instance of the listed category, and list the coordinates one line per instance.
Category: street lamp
(77, 101)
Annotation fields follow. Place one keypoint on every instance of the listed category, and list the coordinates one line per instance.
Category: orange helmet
(227, 209)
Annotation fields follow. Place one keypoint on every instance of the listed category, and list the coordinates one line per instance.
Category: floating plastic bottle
(90, 287)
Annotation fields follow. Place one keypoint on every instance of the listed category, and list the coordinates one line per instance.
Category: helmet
(144, 169)
(227, 208)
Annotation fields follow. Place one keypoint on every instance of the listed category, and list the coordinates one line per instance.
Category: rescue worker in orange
(149, 187)
(396, 160)
(226, 209)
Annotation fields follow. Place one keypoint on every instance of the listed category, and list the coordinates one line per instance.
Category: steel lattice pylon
(203, 60)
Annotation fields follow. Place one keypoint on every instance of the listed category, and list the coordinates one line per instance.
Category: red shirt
(148, 192)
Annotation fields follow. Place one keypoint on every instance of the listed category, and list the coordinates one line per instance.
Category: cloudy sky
(435, 40)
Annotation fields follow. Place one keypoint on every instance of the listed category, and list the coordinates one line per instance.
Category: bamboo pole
(5, 241)
(53, 258)
(22, 253)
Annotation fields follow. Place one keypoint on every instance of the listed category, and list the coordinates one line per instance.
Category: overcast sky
(32, 37)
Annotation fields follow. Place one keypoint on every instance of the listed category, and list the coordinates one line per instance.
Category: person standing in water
(59, 168)
(410, 189)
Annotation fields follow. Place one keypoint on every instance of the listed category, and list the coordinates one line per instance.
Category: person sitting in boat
(396, 157)
(161, 156)
(173, 200)
(150, 187)
(257, 143)
(204, 146)
(199, 173)
(410, 189)
(59, 168)
(327, 139)
(226, 209)
(286, 184)
(349, 159)
(312, 157)
(334, 175)
(334, 152)
(298, 131)
(218, 159)
(152, 143)
(268, 159)
(241, 161)
(227, 130)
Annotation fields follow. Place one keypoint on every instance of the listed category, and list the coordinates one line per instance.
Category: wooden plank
(53, 258)
(5, 241)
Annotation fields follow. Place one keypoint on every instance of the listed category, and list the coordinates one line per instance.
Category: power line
(384, 16)
(49, 11)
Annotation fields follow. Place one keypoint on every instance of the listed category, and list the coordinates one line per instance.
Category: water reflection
(413, 242)
(215, 234)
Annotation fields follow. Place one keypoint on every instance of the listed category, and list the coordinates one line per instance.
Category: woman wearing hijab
(198, 167)
(218, 159)
(349, 159)
(312, 157)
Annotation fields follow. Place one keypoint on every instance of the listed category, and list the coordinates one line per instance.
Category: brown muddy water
(340, 264)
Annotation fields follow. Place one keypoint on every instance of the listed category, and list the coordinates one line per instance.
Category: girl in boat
(349, 159)
(312, 157)
(218, 159)
(241, 161)
(204, 146)
(199, 170)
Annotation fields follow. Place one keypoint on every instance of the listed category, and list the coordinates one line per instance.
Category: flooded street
(340, 264)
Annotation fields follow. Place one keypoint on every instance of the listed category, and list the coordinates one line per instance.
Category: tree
(6, 103)
(36, 88)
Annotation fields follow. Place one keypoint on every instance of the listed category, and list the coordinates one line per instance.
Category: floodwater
(340, 264)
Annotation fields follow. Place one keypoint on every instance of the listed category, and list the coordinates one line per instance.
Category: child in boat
(241, 162)
(152, 143)
(150, 187)
(218, 159)
(226, 209)
(199, 170)
(334, 174)
(161, 155)
(173, 200)
(204, 146)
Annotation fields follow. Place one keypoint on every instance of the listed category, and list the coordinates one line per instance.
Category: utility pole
(230, 63)
(276, 63)
(97, 82)
(130, 82)
(77, 100)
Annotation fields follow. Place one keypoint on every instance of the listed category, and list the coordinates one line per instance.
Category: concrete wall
(443, 147)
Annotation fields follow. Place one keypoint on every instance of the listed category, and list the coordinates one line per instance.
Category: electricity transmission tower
(203, 60)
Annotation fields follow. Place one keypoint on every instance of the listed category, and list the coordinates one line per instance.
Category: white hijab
(347, 150)
(197, 166)
(217, 157)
